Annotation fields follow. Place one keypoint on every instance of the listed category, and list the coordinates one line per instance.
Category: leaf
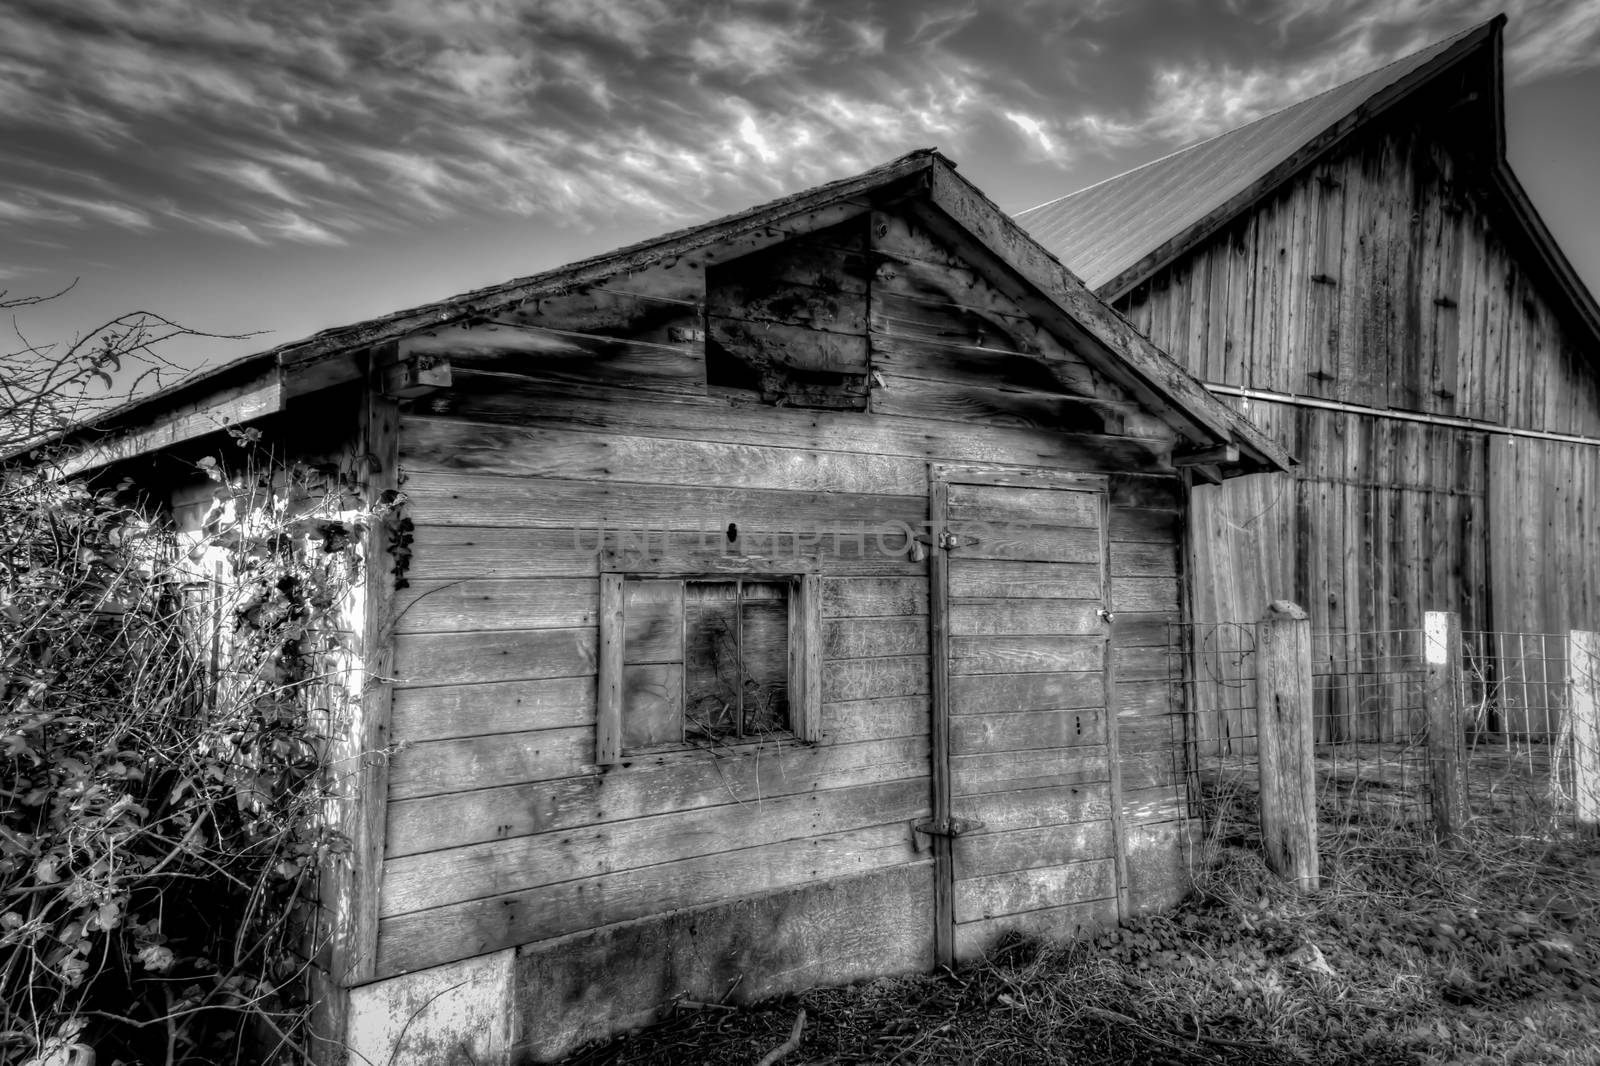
(157, 958)
(108, 916)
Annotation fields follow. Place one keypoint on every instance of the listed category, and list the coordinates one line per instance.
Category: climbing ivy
(167, 703)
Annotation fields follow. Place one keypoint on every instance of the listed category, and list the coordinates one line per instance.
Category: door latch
(1106, 616)
(948, 540)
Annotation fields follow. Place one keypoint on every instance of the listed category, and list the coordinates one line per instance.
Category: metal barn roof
(1107, 230)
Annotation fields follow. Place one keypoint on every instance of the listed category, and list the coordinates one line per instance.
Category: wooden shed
(786, 603)
(1363, 275)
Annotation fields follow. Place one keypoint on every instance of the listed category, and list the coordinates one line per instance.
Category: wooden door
(1027, 811)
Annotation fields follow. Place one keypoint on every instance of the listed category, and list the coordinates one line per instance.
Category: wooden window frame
(805, 636)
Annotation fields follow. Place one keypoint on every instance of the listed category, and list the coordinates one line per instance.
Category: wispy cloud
(1038, 133)
(290, 121)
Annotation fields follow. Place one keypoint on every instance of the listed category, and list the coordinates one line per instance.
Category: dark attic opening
(788, 324)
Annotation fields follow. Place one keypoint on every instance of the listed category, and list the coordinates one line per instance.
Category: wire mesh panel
(1519, 731)
(1212, 669)
(1532, 722)
(1371, 725)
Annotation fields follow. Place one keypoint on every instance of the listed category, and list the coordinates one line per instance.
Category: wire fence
(1526, 742)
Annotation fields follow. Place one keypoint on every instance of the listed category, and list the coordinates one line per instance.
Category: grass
(1483, 953)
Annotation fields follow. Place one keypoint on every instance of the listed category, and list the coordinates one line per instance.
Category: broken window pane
(766, 657)
(736, 658)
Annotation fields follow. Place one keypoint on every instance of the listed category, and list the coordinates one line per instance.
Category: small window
(705, 661)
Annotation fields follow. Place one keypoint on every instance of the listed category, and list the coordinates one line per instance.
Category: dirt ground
(1485, 952)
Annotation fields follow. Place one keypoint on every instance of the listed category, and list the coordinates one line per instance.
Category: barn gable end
(1363, 276)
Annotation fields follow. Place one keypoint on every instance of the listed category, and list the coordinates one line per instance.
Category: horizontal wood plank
(1057, 508)
(445, 711)
(433, 767)
(985, 854)
(572, 356)
(438, 879)
(872, 597)
(1035, 617)
(866, 638)
(425, 938)
(1037, 808)
(1059, 923)
(511, 655)
(445, 445)
(1020, 541)
(1145, 593)
(851, 548)
(496, 603)
(505, 401)
(973, 775)
(1003, 655)
(1143, 560)
(858, 720)
(463, 499)
(1017, 891)
(1025, 730)
(769, 343)
(915, 397)
(871, 679)
(1022, 691)
(1004, 579)
(1145, 524)
(676, 781)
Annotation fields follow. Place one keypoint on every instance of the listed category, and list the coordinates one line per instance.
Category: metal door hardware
(948, 540)
(947, 827)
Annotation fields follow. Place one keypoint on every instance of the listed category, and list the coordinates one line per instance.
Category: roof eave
(272, 377)
(1211, 421)
(301, 367)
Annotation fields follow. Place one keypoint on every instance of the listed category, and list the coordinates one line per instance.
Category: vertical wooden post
(944, 875)
(1583, 691)
(349, 884)
(1441, 696)
(1284, 744)
(608, 700)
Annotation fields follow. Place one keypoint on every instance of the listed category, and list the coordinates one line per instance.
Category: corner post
(350, 883)
(1441, 697)
(1284, 745)
(1583, 691)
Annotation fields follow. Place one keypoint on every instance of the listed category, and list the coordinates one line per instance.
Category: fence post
(1441, 696)
(1583, 691)
(1284, 744)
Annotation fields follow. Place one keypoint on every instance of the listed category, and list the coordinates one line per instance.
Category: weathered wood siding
(1378, 280)
(501, 830)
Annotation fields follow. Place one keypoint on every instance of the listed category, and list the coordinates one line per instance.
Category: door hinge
(947, 540)
(947, 827)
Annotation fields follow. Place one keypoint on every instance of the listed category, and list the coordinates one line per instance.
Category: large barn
(1363, 275)
(785, 601)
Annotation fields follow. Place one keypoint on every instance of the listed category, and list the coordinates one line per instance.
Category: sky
(277, 167)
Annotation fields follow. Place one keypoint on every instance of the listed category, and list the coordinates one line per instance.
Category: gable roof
(1118, 232)
(261, 384)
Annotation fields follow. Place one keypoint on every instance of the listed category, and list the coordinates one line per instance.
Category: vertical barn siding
(502, 832)
(1377, 278)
